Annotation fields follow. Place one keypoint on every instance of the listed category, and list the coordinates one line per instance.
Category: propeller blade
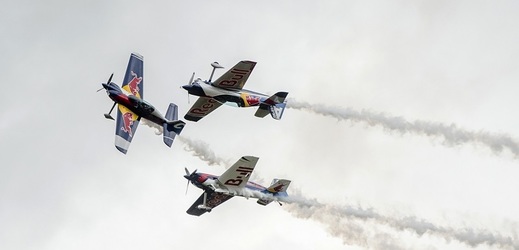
(187, 171)
(191, 80)
(110, 79)
(187, 187)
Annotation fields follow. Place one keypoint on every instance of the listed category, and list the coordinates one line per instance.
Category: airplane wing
(238, 175)
(213, 199)
(236, 77)
(125, 128)
(133, 81)
(202, 107)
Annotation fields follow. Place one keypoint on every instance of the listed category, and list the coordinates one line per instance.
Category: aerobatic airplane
(132, 107)
(233, 182)
(228, 89)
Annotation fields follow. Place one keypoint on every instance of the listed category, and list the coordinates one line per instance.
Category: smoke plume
(357, 225)
(159, 129)
(202, 150)
(451, 134)
(347, 221)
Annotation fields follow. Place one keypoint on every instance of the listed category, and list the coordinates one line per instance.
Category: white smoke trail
(202, 150)
(159, 130)
(355, 225)
(452, 134)
(198, 148)
(339, 219)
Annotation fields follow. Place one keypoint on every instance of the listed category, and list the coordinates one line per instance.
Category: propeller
(109, 80)
(190, 83)
(108, 115)
(191, 80)
(188, 177)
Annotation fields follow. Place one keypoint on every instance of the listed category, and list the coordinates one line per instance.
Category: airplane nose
(186, 176)
(104, 85)
(187, 87)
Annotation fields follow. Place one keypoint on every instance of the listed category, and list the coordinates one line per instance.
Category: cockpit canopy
(141, 105)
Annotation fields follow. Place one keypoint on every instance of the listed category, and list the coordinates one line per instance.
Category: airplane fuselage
(209, 182)
(136, 105)
(241, 98)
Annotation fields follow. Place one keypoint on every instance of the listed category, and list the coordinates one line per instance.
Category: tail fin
(173, 126)
(277, 110)
(275, 105)
(277, 188)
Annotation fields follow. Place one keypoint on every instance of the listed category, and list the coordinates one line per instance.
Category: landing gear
(108, 116)
(203, 206)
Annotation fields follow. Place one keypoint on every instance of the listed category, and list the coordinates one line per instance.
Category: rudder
(278, 187)
(173, 126)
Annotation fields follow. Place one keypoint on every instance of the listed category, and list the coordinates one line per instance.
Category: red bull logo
(252, 100)
(216, 199)
(133, 84)
(205, 108)
(127, 123)
(278, 188)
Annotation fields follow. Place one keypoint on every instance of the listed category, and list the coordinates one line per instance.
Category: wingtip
(137, 55)
(122, 150)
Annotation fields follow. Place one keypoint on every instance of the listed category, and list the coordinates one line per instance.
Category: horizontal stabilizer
(274, 105)
(262, 111)
(278, 97)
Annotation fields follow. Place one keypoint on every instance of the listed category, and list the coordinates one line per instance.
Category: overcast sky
(427, 162)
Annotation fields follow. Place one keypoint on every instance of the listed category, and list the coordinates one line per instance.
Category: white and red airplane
(228, 89)
(233, 182)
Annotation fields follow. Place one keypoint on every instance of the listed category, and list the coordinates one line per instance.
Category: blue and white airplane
(233, 182)
(228, 89)
(132, 107)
